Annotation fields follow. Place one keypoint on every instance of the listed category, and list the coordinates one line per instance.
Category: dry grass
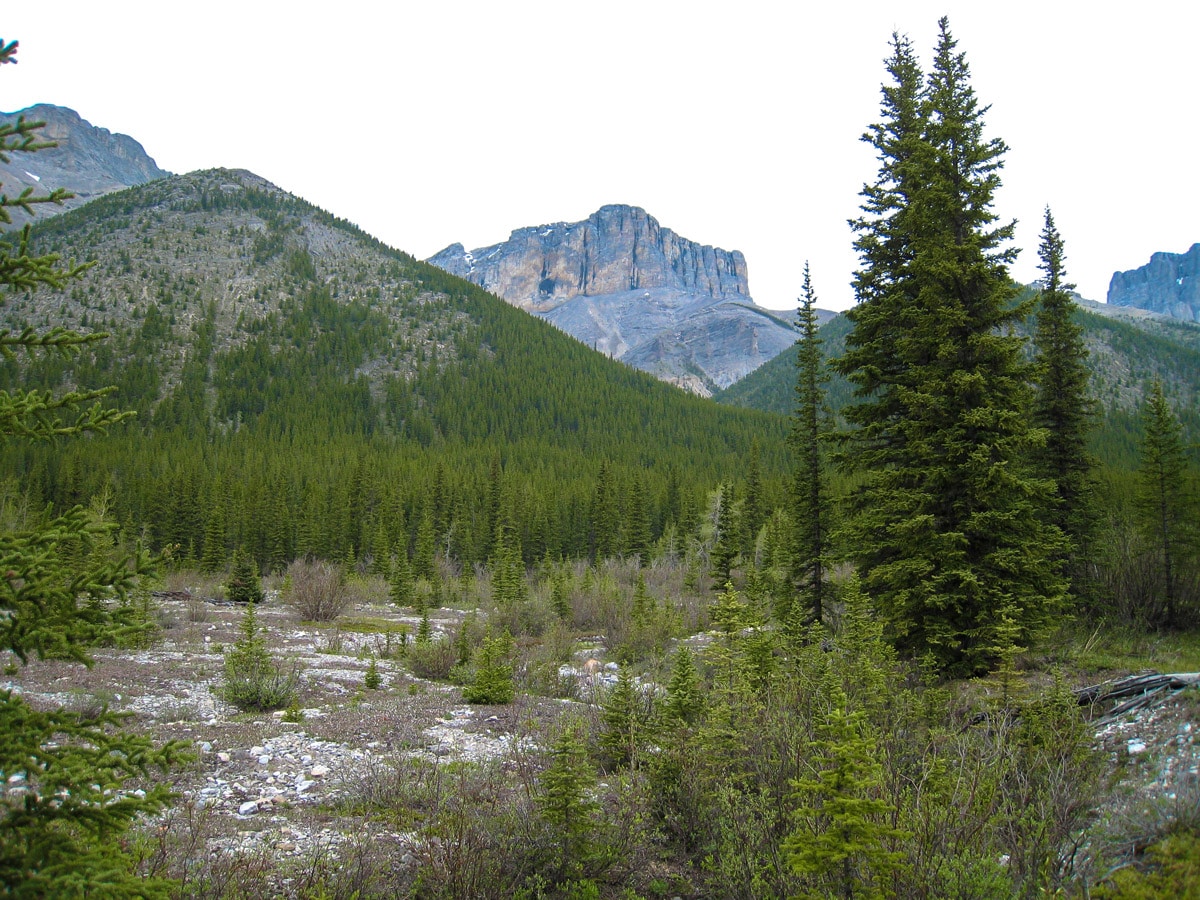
(316, 590)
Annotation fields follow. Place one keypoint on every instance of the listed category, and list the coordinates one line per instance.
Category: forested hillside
(1125, 356)
(302, 388)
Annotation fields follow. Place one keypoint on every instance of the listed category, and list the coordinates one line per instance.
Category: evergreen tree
(726, 542)
(508, 569)
(685, 700)
(279, 529)
(1165, 505)
(401, 583)
(565, 802)
(1064, 407)
(372, 680)
(637, 524)
(643, 604)
(560, 593)
(623, 722)
(426, 547)
(424, 629)
(243, 585)
(63, 826)
(754, 511)
(810, 494)
(212, 560)
(844, 822)
(493, 682)
(948, 524)
(253, 680)
(606, 519)
(381, 550)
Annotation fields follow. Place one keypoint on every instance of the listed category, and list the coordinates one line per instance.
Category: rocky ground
(262, 783)
(280, 786)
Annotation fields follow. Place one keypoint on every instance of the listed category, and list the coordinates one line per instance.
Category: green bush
(432, 658)
(1172, 869)
(254, 681)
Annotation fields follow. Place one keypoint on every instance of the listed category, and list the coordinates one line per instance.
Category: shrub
(316, 589)
(431, 659)
(254, 681)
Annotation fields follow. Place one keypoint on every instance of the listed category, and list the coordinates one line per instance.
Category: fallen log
(173, 595)
(1136, 691)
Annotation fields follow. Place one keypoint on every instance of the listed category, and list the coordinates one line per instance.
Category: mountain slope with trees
(300, 387)
(1125, 354)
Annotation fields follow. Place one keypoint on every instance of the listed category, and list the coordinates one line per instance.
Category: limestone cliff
(88, 161)
(625, 285)
(1168, 284)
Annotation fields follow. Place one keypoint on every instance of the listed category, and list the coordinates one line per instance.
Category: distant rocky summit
(620, 282)
(88, 161)
(1168, 284)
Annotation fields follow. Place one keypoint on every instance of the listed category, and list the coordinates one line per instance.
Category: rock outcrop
(1168, 284)
(88, 161)
(620, 282)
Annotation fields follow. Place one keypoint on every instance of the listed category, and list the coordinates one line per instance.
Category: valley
(558, 568)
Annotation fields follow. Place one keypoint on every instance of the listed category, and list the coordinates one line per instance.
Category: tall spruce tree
(1063, 406)
(811, 506)
(947, 527)
(754, 511)
(1164, 501)
(64, 815)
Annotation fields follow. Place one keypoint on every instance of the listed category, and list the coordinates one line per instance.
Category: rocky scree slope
(88, 161)
(621, 283)
(224, 249)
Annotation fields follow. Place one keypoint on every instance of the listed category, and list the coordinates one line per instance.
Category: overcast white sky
(734, 124)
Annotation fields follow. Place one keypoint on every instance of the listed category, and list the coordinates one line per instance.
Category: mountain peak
(89, 161)
(1168, 284)
(622, 283)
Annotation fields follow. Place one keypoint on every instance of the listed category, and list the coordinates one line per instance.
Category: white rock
(1136, 746)
(249, 808)
(319, 771)
(223, 757)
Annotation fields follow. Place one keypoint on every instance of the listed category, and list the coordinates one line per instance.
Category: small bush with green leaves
(432, 658)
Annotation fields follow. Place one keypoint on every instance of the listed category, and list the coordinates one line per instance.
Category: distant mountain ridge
(88, 161)
(1168, 284)
(639, 292)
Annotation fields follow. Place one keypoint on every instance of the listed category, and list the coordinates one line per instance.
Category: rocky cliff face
(88, 161)
(1168, 284)
(625, 285)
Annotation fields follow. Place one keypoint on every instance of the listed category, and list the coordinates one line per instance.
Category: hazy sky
(734, 124)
